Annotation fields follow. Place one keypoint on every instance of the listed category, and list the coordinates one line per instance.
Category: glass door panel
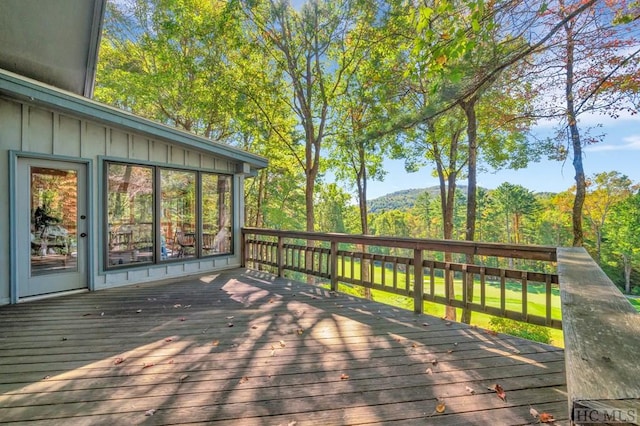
(54, 213)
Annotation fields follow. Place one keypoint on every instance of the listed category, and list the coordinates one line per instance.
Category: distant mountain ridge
(404, 199)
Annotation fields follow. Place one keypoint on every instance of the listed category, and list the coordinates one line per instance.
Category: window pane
(216, 214)
(178, 207)
(54, 207)
(130, 214)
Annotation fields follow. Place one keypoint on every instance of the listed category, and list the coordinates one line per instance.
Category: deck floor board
(242, 347)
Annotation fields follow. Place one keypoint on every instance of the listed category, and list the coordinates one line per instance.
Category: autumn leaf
(168, 339)
(282, 344)
(434, 361)
(118, 360)
(546, 418)
(150, 412)
(500, 391)
(183, 319)
(244, 379)
(215, 343)
(344, 376)
(147, 365)
(534, 412)
(230, 324)
(441, 407)
(300, 332)
(470, 390)
(429, 371)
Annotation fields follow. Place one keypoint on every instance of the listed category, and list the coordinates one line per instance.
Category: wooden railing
(389, 265)
(602, 342)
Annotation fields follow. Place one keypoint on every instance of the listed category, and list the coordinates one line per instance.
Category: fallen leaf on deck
(64, 339)
(470, 390)
(150, 412)
(147, 365)
(434, 361)
(534, 412)
(441, 407)
(46, 377)
(447, 323)
(137, 312)
(183, 378)
(118, 360)
(425, 324)
(86, 315)
(292, 423)
(300, 331)
(183, 319)
(230, 317)
(215, 343)
(429, 371)
(254, 327)
(546, 418)
(282, 344)
(230, 324)
(177, 305)
(450, 351)
(491, 332)
(271, 300)
(273, 352)
(244, 379)
(170, 361)
(501, 393)
(414, 345)
(168, 339)
(344, 376)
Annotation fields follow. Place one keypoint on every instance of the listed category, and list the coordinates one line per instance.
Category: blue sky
(619, 150)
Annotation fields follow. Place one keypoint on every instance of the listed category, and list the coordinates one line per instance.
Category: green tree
(583, 57)
(604, 190)
(623, 235)
(515, 202)
(310, 48)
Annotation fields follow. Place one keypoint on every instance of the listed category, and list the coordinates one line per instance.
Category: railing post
(280, 256)
(334, 265)
(243, 249)
(418, 281)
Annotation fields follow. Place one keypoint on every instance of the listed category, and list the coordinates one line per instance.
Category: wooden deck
(246, 348)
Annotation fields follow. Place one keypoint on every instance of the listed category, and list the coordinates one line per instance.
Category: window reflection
(130, 214)
(216, 214)
(54, 212)
(186, 214)
(178, 209)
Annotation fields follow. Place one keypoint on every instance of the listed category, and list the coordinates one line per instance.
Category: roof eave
(70, 103)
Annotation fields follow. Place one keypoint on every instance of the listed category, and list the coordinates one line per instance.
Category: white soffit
(52, 41)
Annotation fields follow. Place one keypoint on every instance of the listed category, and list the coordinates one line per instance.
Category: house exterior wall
(30, 130)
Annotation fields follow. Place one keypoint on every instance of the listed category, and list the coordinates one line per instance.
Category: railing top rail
(517, 251)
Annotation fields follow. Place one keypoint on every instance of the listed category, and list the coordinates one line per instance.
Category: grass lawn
(536, 298)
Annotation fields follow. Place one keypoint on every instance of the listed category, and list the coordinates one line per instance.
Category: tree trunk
(576, 145)
(361, 182)
(472, 204)
(627, 273)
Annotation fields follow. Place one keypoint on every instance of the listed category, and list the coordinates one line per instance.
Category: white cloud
(629, 143)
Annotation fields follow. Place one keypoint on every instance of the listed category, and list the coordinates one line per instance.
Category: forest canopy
(328, 90)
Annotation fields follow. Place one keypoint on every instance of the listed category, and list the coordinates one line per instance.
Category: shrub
(533, 332)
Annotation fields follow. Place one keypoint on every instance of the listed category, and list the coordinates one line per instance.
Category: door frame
(13, 215)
